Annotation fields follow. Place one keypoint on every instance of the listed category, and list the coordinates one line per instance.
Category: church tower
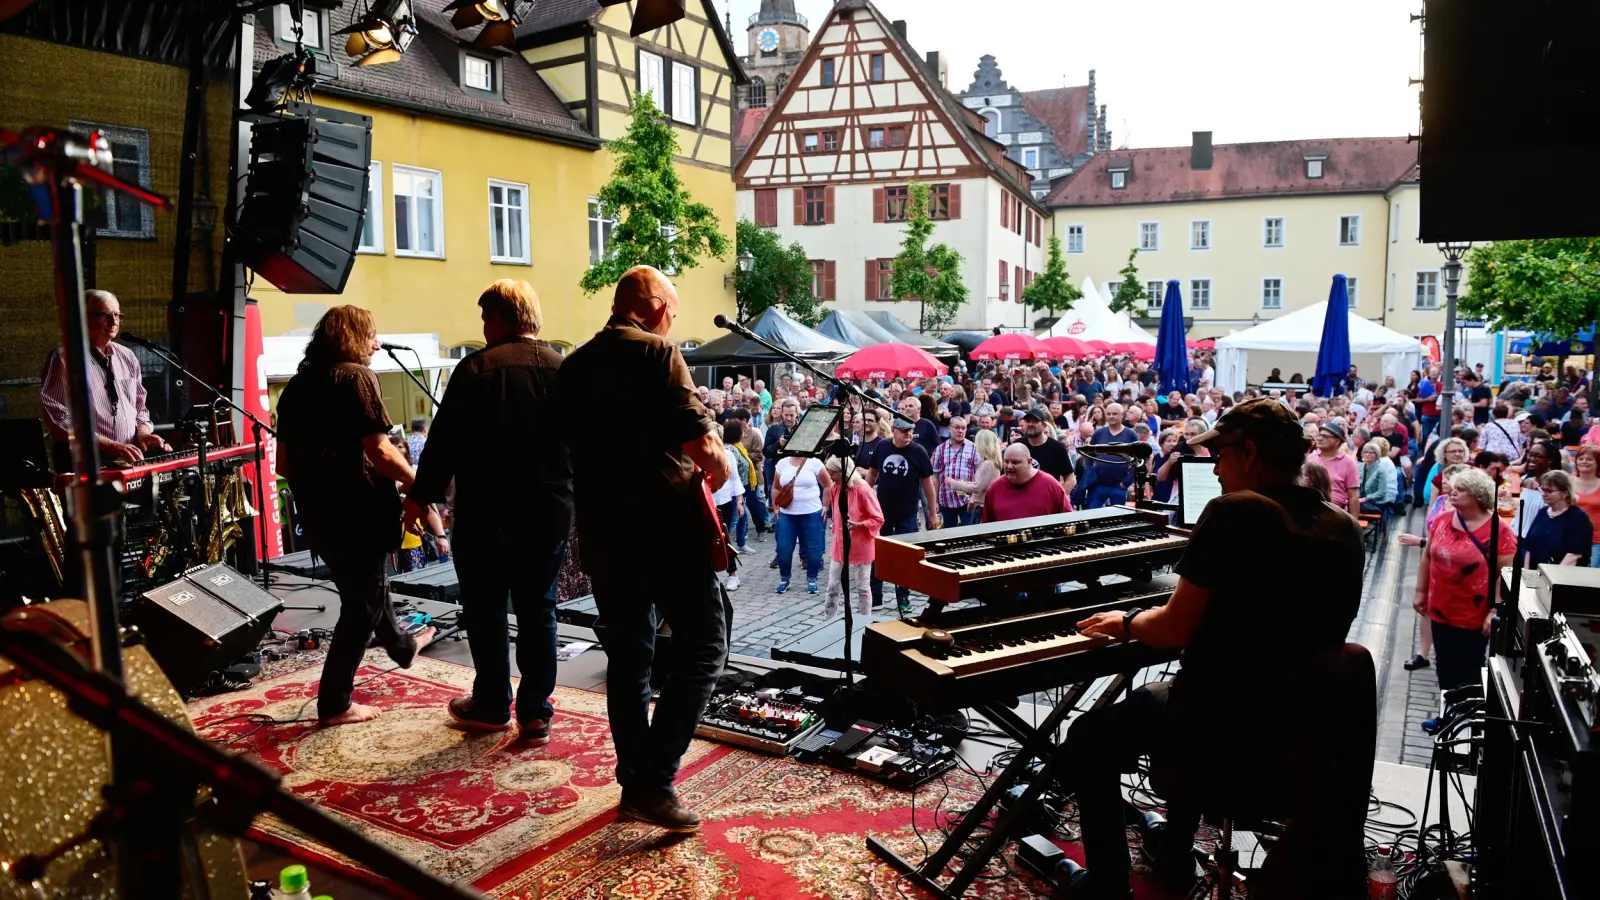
(778, 37)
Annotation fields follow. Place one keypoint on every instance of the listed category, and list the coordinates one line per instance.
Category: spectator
(1165, 465)
(755, 490)
(1021, 493)
(1427, 395)
(990, 463)
(924, 431)
(1502, 435)
(1543, 456)
(417, 439)
(1109, 480)
(800, 481)
(954, 464)
(1315, 477)
(1480, 396)
(1042, 445)
(1377, 476)
(1450, 452)
(778, 435)
(1343, 471)
(902, 473)
(730, 496)
(1586, 491)
(866, 520)
(1560, 534)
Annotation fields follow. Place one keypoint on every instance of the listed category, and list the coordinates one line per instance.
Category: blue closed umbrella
(1333, 354)
(1172, 353)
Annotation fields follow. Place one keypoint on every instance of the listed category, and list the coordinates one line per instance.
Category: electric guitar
(711, 522)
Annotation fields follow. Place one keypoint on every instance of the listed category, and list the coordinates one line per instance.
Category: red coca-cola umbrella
(890, 361)
(1099, 346)
(1206, 344)
(1012, 346)
(1063, 346)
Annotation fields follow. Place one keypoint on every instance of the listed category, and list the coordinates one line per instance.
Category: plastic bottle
(294, 884)
(1382, 882)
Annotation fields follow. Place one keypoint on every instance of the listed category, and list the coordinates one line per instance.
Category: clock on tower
(767, 40)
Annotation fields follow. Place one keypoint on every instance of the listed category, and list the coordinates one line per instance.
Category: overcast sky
(1247, 70)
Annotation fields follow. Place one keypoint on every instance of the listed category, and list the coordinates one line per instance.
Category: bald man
(1021, 492)
(638, 511)
(116, 389)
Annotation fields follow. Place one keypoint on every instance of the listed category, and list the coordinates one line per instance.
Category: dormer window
(478, 73)
(1119, 179)
(313, 25)
(1314, 166)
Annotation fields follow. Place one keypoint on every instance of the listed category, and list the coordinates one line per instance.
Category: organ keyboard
(165, 466)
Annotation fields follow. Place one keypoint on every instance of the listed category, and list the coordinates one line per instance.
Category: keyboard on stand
(166, 466)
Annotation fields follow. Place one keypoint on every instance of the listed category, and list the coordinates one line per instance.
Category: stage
(541, 821)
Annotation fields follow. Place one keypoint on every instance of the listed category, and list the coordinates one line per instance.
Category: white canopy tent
(1091, 319)
(280, 356)
(1290, 343)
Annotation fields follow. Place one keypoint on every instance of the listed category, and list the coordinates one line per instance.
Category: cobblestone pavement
(1409, 697)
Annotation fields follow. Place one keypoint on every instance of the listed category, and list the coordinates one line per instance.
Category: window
(670, 232)
(418, 212)
(758, 93)
(120, 215)
(1074, 238)
(508, 222)
(940, 204)
(1350, 288)
(1149, 235)
(1005, 281)
(1272, 293)
(1030, 158)
(1200, 235)
(1112, 287)
(1349, 231)
(779, 83)
(1427, 296)
(1314, 166)
(816, 202)
(685, 93)
(1119, 179)
(895, 202)
(830, 142)
(897, 135)
(311, 24)
(877, 66)
(1272, 232)
(811, 143)
(1394, 229)
(875, 138)
(819, 273)
(372, 224)
(991, 123)
(600, 229)
(885, 279)
(1200, 293)
(477, 72)
(1154, 293)
(828, 72)
(652, 78)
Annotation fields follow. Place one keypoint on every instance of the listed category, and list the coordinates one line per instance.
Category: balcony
(779, 18)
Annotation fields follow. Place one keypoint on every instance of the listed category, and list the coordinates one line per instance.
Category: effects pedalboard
(901, 757)
(768, 720)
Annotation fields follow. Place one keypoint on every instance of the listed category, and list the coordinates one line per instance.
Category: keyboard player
(116, 390)
(1248, 599)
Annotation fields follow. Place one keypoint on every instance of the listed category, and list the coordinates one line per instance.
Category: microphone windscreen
(721, 321)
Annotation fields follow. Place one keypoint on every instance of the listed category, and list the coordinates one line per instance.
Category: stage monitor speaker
(305, 198)
(1510, 120)
(203, 622)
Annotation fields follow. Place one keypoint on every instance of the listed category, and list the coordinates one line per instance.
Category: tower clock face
(767, 40)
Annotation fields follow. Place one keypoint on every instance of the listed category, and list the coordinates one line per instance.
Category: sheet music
(1198, 487)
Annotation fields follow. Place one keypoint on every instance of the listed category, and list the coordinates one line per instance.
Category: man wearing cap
(1343, 470)
(1049, 453)
(1233, 625)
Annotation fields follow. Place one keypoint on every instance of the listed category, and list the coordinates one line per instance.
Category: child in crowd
(866, 520)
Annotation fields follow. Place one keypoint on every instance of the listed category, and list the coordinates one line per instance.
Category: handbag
(783, 494)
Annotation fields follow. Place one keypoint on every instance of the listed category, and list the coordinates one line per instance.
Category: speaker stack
(203, 623)
(305, 197)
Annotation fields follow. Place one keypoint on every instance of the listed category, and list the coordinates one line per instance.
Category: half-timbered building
(863, 117)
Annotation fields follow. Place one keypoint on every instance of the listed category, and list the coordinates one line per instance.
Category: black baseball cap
(1036, 414)
(1261, 418)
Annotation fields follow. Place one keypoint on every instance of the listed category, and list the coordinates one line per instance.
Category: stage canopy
(1290, 343)
(855, 329)
(904, 333)
(280, 356)
(773, 325)
(1091, 319)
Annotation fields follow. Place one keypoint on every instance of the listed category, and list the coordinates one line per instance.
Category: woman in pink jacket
(866, 520)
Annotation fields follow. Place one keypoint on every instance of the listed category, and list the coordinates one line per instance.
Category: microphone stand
(412, 375)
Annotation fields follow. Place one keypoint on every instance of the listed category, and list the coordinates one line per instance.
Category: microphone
(393, 347)
(722, 321)
(135, 339)
(1136, 449)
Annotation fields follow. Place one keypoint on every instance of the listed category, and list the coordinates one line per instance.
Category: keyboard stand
(1037, 743)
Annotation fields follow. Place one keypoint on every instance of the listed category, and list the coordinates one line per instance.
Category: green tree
(1130, 296)
(658, 223)
(1547, 286)
(931, 275)
(1053, 289)
(778, 276)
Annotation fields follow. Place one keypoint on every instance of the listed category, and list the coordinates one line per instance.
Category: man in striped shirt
(955, 463)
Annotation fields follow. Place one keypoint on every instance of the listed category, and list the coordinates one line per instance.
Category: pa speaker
(203, 622)
(305, 197)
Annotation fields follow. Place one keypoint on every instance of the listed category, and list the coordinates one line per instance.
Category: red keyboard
(165, 464)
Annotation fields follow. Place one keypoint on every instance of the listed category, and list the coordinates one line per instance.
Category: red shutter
(1004, 270)
(767, 207)
(1038, 233)
(800, 206)
(872, 279)
(955, 201)
(827, 205)
(829, 290)
(1016, 282)
(1005, 211)
(877, 205)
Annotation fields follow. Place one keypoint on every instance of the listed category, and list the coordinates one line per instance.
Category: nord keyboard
(163, 467)
(963, 657)
(1000, 558)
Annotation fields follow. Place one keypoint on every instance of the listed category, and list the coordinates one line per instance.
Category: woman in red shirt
(1454, 578)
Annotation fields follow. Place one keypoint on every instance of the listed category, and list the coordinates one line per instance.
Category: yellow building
(1252, 231)
(483, 168)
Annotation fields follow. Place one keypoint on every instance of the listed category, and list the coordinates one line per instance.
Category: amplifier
(203, 622)
(1570, 590)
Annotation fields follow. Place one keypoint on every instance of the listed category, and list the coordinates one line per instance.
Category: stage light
(381, 34)
(501, 17)
(648, 15)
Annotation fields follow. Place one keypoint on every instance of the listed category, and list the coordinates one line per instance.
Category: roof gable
(1065, 111)
(554, 19)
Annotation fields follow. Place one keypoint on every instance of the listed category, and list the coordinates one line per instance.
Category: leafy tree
(931, 275)
(658, 223)
(779, 276)
(1546, 286)
(1130, 296)
(1053, 289)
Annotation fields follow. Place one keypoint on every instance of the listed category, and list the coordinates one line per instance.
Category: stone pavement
(1406, 698)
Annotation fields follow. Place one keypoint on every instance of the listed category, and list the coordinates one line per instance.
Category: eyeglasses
(109, 316)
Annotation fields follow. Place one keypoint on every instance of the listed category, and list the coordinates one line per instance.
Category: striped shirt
(957, 462)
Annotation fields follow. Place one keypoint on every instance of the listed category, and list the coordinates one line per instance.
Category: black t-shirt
(1480, 415)
(998, 398)
(1551, 538)
(926, 434)
(900, 473)
(1147, 377)
(1051, 457)
(865, 451)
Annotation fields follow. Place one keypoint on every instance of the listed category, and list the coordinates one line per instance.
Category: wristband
(1127, 623)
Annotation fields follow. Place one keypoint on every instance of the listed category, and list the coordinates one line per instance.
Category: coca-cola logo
(1077, 328)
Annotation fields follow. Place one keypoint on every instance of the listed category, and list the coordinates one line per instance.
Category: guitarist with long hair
(652, 542)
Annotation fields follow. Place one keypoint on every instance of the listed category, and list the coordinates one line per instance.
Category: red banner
(1430, 345)
(256, 400)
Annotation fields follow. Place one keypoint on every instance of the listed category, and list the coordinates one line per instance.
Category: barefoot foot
(356, 713)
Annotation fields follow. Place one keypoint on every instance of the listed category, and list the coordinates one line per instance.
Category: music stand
(810, 436)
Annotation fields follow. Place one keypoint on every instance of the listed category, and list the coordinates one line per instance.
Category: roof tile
(1065, 111)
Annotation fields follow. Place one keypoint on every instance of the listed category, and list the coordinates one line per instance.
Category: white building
(861, 118)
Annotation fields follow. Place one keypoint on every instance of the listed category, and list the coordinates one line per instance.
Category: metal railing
(779, 18)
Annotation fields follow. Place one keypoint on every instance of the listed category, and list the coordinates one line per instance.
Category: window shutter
(829, 270)
(955, 201)
(767, 207)
(1003, 287)
(877, 205)
(827, 205)
(1030, 228)
(1038, 234)
(800, 206)
(872, 279)
(1016, 283)
(1005, 210)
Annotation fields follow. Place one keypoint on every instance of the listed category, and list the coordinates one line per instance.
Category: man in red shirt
(1019, 493)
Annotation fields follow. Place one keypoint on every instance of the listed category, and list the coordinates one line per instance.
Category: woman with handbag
(797, 489)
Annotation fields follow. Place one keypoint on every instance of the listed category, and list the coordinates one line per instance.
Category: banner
(1430, 345)
(256, 400)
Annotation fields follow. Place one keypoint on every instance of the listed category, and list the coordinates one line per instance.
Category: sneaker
(733, 583)
(736, 550)
(782, 586)
(905, 606)
(464, 716)
(811, 585)
(661, 810)
(829, 611)
(761, 536)
(1417, 662)
(773, 564)
(534, 733)
(1073, 881)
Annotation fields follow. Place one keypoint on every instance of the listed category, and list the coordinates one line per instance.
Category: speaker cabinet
(203, 622)
(305, 198)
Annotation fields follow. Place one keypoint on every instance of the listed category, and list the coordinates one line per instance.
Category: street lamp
(747, 262)
(1453, 252)
(1255, 320)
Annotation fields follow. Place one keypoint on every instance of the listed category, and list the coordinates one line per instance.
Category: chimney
(937, 68)
(1200, 153)
(900, 27)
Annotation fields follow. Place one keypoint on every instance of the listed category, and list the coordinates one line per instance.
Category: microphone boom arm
(848, 387)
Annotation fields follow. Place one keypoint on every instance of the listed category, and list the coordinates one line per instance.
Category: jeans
(1594, 556)
(1429, 423)
(729, 519)
(908, 525)
(755, 509)
(648, 748)
(492, 567)
(807, 527)
(954, 516)
(1102, 494)
(362, 579)
(1460, 653)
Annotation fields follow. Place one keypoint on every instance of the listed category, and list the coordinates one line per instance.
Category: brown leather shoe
(661, 810)
(464, 716)
(534, 733)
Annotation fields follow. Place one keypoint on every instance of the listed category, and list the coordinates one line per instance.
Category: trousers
(807, 530)
(908, 525)
(495, 568)
(860, 585)
(362, 580)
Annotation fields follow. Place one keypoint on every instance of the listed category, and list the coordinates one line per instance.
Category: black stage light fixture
(501, 16)
(381, 34)
(648, 15)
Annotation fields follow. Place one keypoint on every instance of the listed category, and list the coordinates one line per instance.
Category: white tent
(1091, 319)
(280, 356)
(1290, 342)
